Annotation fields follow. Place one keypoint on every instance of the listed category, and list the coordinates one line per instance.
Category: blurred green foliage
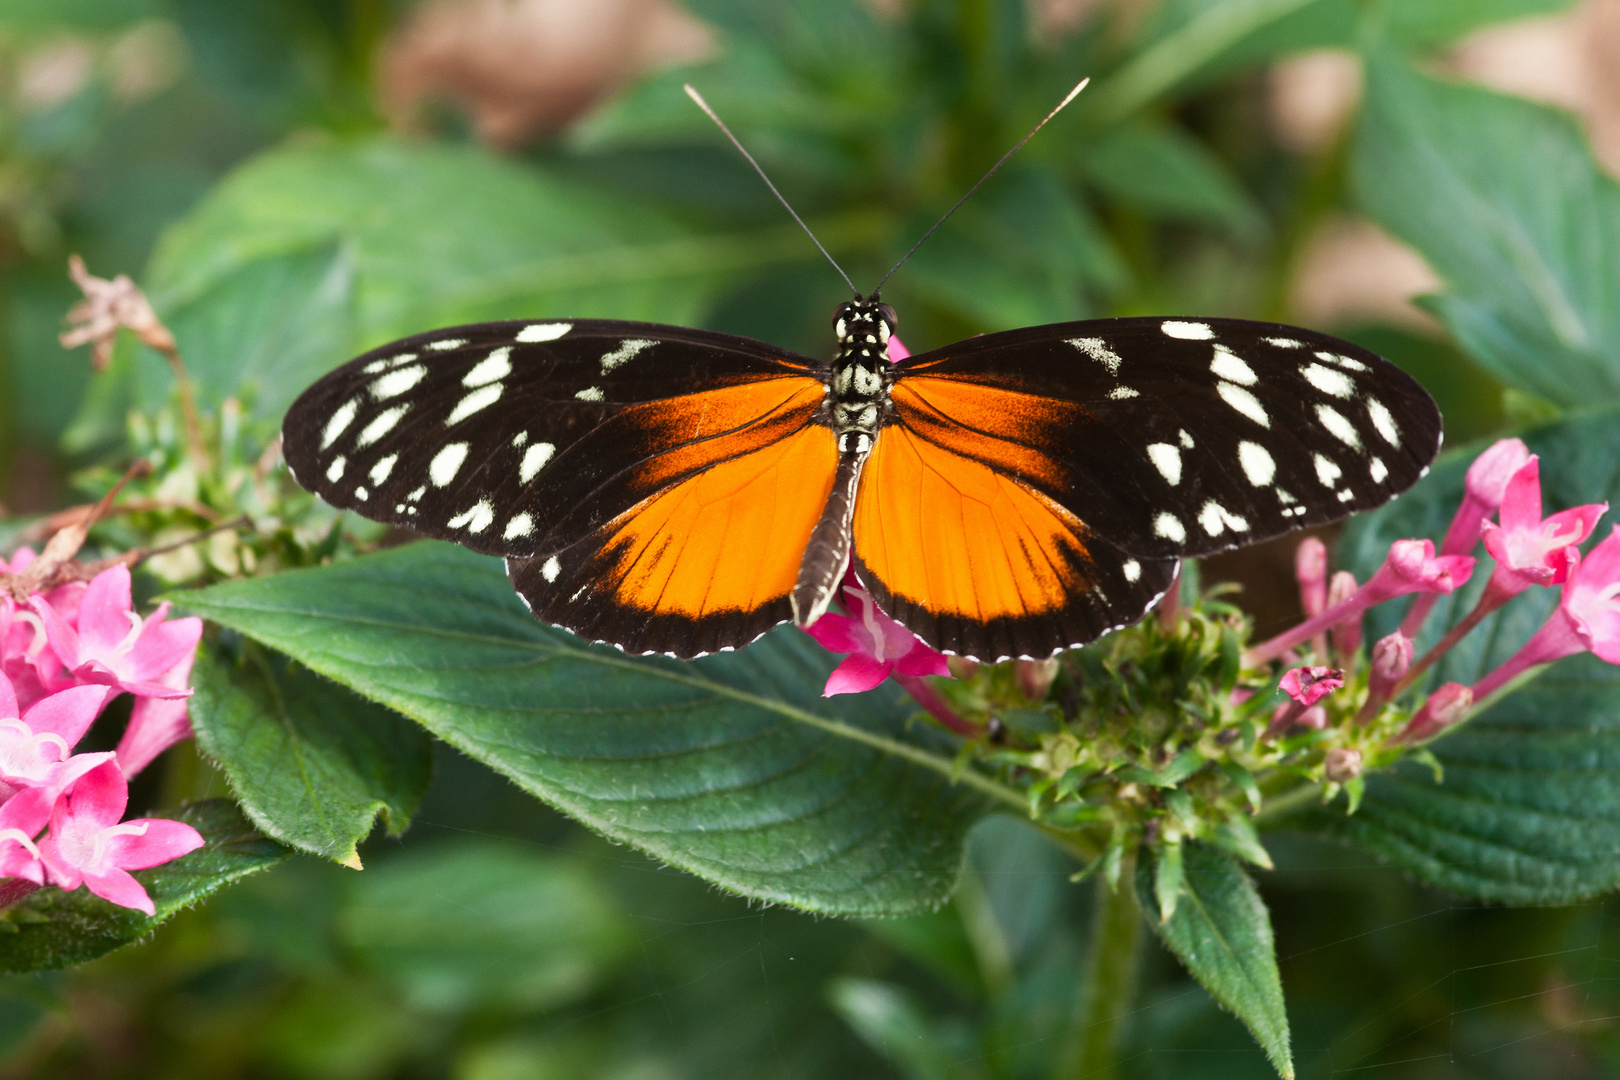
(250, 187)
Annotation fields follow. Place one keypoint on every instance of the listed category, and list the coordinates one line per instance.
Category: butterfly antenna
(692, 93)
(1070, 96)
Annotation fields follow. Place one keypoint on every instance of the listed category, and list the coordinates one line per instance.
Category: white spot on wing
(1343, 361)
(1167, 459)
(362, 494)
(1258, 464)
(497, 365)
(590, 393)
(1346, 495)
(551, 569)
(520, 438)
(1122, 393)
(1328, 380)
(1132, 570)
(522, 525)
(1378, 469)
(339, 422)
(1244, 402)
(397, 382)
(550, 331)
(534, 459)
(481, 398)
(380, 425)
(1216, 519)
(334, 471)
(476, 517)
(1284, 342)
(1098, 350)
(1326, 470)
(1338, 426)
(1169, 526)
(446, 463)
(625, 352)
(1186, 439)
(1384, 422)
(377, 366)
(1229, 365)
(447, 344)
(1187, 331)
(381, 470)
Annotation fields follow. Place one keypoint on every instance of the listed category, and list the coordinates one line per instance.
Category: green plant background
(279, 228)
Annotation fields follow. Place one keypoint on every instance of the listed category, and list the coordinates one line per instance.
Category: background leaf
(1504, 200)
(54, 929)
(311, 763)
(732, 767)
(1221, 932)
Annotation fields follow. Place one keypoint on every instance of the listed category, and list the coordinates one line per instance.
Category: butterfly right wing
(650, 486)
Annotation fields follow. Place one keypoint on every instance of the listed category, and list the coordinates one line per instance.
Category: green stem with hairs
(1109, 984)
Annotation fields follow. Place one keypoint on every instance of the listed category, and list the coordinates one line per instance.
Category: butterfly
(681, 491)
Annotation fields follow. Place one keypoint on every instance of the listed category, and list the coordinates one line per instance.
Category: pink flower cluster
(64, 655)
(1528, 549)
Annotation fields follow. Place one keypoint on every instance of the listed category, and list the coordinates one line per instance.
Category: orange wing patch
(726, 540)
(951, 535)
(1008, 430)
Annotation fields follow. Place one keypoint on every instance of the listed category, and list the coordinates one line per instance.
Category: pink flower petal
(155, 724)
(104, 611)
(161, 645)
(98, 796)
(161, 841)
(68, 714)
(923, 660)
(118, 887)
(856, 675)
(8, 699)
(838, 633)
(63, 639)
(897, 350)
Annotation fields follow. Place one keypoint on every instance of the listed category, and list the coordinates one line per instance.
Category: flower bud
(1347, 634)
(1310, 570)
(1342, 764)
(1392, 657)
(1035, 677)
(1445, 707)
(1488, 476)
(1308, 685)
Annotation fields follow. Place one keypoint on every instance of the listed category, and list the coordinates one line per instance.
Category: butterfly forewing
(618, 466)
(1173, 437)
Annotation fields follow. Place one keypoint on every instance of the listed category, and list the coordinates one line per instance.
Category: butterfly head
(864, 324)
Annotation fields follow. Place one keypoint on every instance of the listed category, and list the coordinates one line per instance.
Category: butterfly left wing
(1116, 446)
(650, 486)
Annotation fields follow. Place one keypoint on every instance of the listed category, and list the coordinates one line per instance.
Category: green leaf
(465, 924)
(441, 235)
(895, 1026)
(1163, 171)
(732, 767)
(1529, 808)
(1221, 932)
(29, 15)
(312, 764)
(54, 929)
(1504, 200)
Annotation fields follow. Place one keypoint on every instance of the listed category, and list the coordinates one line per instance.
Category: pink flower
(21, 819)
(88, 845)
(1483, 490)
(1310, 570)
(1588, 618)
(876, 643)
(1308, 685)
(897, 351)
(155, 723)
(1529, 549)
(1445, 707)
(1411, 566)
(34, 746)
(112, 646)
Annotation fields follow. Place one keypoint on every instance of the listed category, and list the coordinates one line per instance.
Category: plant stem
(1110, 982)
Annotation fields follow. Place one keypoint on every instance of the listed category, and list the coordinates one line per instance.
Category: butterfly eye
(889, 317)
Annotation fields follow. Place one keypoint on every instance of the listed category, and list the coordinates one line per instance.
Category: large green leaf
(1529, 807)
(733, 767)
(312, 764)
(1221, 932)
(1504, 200)
(53, 929)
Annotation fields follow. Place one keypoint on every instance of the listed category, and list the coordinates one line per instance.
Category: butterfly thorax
(858, 394)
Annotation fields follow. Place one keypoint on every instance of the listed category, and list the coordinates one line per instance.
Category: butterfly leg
(826, 556)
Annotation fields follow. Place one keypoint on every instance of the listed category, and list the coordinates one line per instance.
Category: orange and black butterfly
(679, 491)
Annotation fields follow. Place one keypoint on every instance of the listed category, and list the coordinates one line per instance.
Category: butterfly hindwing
(618, 466)
(1177, 437)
